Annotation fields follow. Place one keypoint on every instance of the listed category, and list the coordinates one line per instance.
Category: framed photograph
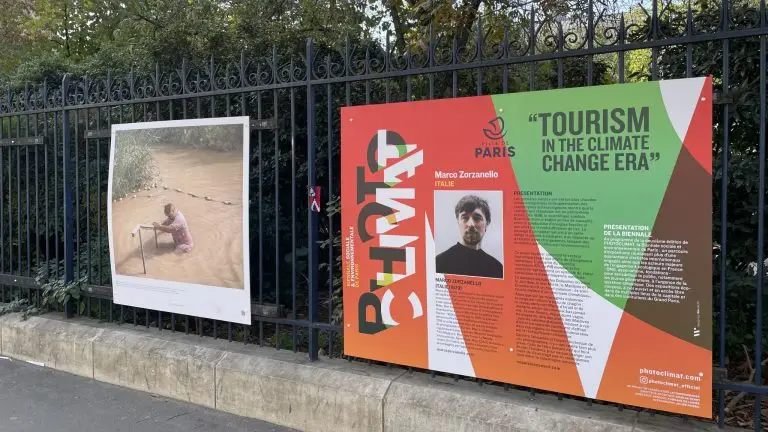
(178, 217)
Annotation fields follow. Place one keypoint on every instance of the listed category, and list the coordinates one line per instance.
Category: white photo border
(204, 301)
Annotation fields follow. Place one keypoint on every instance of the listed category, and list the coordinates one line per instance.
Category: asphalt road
(35, 399)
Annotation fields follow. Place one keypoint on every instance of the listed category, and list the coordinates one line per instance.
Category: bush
(134, 164)
(223, 138)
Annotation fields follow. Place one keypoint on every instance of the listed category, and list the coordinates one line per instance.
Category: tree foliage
(135, 167)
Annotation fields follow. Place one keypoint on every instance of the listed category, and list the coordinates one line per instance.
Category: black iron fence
(54, 150)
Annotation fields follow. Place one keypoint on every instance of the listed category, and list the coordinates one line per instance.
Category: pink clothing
(182, 238)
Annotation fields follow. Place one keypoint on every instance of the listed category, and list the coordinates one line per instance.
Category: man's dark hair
(470, 203)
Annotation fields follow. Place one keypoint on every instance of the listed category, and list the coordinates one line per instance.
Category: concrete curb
(286, 389)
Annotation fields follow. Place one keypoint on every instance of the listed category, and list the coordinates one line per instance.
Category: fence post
(313, 245)
(69, 238)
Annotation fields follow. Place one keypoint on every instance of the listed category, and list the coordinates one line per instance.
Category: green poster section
(581, 202)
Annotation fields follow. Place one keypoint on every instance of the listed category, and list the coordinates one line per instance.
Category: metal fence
(54, 148)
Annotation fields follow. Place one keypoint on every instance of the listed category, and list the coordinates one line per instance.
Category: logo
(496, 131)
(495, 146)
(391, 247)
(643, 380)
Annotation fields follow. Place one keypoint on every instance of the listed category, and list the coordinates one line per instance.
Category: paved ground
(34, 399)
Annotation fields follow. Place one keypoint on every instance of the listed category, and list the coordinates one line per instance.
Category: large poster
(558, 239)
(178, 217)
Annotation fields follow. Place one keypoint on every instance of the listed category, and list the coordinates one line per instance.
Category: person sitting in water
(176, 224)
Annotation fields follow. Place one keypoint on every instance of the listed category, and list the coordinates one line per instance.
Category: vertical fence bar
(26, 192)
(47, 196)
(56, 194)
(366, 72)
(760, 232)
(158, 92)
(329, 127)
(347, 72)
(724, 209)
(387, 68)
(654, 36)
(108, 122)
(689, 46)
(244, 112)
(505, 67)
(479, 41)
(37, 202)
(10, 198)
(532, 52)
(17, 150)
(67, 195)
(432, 49)
(88, 243)
(622, 36)
(455, 74)
(293, 210)
(76, 202)
(560, 62)
(260, 192)
(590, 41)
(97, 157)
(314, 248)
(20, 270)
(408, 83)
(275, 95)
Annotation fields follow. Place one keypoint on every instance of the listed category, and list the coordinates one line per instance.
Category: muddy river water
(216, 227)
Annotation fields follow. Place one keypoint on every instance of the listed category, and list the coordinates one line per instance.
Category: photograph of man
(176, 225)
(467, 257)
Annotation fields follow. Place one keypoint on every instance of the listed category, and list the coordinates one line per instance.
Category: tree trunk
(467, 17)
(66, 28)
(397, 21)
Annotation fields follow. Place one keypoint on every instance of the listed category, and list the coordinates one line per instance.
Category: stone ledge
(286, 389)
(58, 345)
(415, 400)
(142, 362)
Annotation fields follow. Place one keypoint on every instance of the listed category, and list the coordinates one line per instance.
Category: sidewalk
(35, 399)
